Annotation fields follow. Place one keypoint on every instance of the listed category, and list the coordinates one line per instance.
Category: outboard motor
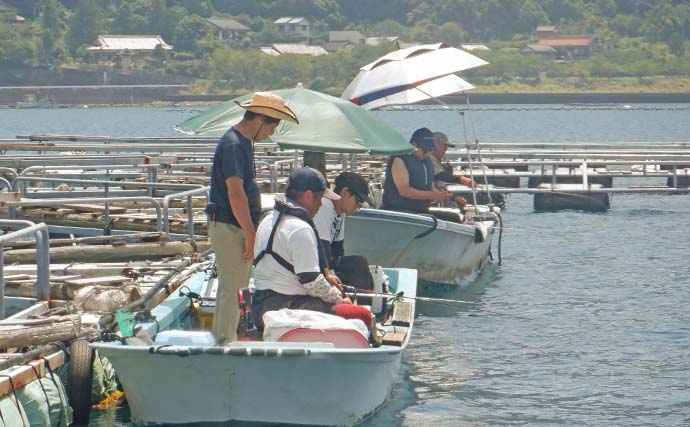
(379, 304)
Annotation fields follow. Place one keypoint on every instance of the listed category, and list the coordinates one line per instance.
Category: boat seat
(340, 338)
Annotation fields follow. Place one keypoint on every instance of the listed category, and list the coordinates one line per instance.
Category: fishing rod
(401, 295)
(441, 301)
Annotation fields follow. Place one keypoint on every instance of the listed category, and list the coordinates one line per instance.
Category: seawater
(585, 322)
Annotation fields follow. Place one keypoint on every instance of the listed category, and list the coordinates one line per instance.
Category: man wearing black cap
(408, 186)
(235, 204)
(291, 266)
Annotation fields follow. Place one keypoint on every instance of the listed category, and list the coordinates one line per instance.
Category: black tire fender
(80, 380)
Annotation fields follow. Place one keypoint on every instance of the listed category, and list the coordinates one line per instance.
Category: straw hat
(271, 105)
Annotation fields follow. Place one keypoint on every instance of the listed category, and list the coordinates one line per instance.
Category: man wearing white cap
(235, 204)
(443, 175)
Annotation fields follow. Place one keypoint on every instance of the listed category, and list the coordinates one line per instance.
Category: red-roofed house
(567, 46)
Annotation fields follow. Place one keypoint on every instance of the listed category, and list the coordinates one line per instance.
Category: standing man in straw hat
(235, 204)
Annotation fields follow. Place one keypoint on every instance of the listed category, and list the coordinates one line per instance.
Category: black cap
(307, 178)
(424, 138)
(355, 183)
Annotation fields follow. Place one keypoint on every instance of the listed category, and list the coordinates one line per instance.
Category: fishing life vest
(421, 177)
(299, 213)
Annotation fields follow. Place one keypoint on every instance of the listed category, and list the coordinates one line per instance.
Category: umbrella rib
(373, 96)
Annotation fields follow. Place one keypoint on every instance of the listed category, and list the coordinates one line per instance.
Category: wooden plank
(108, 280)
(59, 328)
(25, 374)
(6, 196)
(402, 314)
(394, 338)
(96, 208)
(13, 277)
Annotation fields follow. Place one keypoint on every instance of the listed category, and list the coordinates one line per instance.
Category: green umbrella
(326, 123)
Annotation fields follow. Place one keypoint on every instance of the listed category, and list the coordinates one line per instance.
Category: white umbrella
(438, 87)
(407, 69)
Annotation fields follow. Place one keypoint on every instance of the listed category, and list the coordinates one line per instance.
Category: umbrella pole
(479, 152)
(469, 158)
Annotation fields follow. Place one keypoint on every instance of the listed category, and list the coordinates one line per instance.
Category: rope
(531, 108)
(14, 392)
(409, 242)
(40, 383)
(57, 387)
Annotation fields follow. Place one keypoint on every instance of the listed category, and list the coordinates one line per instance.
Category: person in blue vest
(291, 268)
(234, 204)
(409, 183)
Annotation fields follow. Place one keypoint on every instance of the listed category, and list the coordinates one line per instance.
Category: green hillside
(636, 45)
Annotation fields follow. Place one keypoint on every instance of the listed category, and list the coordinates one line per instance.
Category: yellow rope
(113, 399)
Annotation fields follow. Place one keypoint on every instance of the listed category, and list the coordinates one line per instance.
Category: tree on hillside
(388, 27)
(127, 20)
(84, 25)
(160, 20)
(669, 24)
(19, 45)
(451, 33)
(52, 30)
(191, 29)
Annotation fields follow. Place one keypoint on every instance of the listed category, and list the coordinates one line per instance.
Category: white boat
(443, 252)
(321, 382)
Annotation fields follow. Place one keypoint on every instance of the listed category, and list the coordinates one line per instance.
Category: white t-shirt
(329, 224)
(295, 241)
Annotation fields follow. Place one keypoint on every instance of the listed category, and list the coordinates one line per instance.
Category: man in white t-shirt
(291, 265)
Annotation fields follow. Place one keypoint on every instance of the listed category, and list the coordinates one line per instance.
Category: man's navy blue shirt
(233, 157)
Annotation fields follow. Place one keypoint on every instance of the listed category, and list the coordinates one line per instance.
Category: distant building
(546, 31)
(341, 39)
(294, 49)
(227, 28)
(126, 47)
(268, 50)
(474, 46)
(290, 25)
(377, 40)
(404, 45)
(537, 49)
(567, 46)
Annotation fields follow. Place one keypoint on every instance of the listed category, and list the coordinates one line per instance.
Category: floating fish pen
(48, 373)
(571, 176)
(105, 168)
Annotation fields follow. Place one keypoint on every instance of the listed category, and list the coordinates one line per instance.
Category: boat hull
(316, 387)
(448, 254)
(301, 383)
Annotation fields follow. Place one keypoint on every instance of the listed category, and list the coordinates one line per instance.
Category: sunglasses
(359, 199)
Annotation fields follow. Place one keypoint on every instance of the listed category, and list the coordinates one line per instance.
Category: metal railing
(40, 231)
(78, 200)
(190, 208)
(18, 183)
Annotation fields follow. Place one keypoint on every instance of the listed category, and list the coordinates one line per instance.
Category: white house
(294, 26)
(109, 47)
(227, 28)
(294, 49)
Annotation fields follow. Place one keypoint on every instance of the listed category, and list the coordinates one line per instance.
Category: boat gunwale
(416, 219)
